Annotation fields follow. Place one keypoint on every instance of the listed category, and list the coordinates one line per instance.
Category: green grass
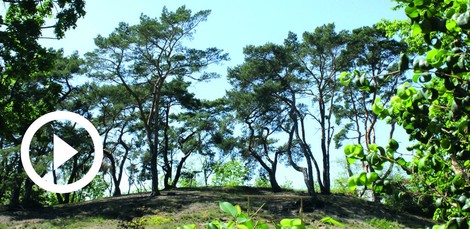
(80, 222)
(382, 223)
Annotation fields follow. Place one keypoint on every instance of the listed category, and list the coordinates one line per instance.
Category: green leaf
(362, 178)
(297, 222)
(214, 225)
(285, 222)
(373, 147)
(393, 144)
(416, 76)
(261, 225)
(377, 107)
(441, 226)
(228, 208)
(243, 219)
(345, 78)
(422, 165)
(352, 183)
(231, 224)
(372, 177)
(331, 221)
(351, 160)
(358, 151)
(458, 180)
(241, 226)
(451, 24)
(418, 2)
(239, 210)
(412, 12)
(416, 29)
(445, 144)
(431, 55)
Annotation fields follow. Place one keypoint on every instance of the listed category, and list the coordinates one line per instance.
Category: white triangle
(62, 152)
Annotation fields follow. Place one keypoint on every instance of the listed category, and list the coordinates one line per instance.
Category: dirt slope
(200, 205)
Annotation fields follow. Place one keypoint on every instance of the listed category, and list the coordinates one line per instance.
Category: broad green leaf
(239, 209)
(451, 24)
(286, 222)
(243, 219)
(231, 224)
(422, 165)
(373, 147)
(297, 222)
(416, 29)
(418, 2)
(372, 177)
(358, 151)
(412, 12)
(377, 107)
(348, 149)
(416, 76)
(228, 208)
(431, 55)
(261, 225)
(352, 183)
(241, 226)
(362, 178)
(393, 144)
(381, 151)
(351, 160)
(345, 78)
(441, 226)
(214, 225)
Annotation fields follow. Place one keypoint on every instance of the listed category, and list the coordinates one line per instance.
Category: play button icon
(62, 151)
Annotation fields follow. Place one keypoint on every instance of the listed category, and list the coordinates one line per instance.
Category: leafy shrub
(243, 221)
(231, 173)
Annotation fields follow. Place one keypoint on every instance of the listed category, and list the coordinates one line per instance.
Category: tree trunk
(178, 170)
(166, 161)
(325, 189)
(154, 146)
(167, 178)
(308, 182)
(28, 189)
(117, 189)
(15, 195)
(272, 179)
(153, 167)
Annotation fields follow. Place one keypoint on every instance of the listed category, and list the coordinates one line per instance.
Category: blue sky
(231, 26)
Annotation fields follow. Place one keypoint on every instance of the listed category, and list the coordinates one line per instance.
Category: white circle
(73, 117)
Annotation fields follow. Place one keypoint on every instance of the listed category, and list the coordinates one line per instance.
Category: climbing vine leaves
(433, 108)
